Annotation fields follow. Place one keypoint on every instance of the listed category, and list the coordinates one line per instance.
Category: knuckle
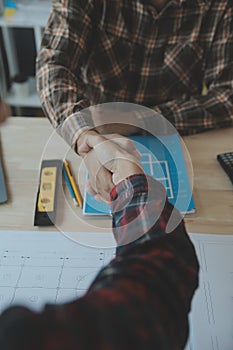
(128, 143)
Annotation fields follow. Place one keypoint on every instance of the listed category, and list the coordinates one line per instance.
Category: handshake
(109, 158)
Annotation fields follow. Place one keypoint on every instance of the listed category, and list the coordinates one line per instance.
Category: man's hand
(101, 181)
(109, 164)
(89, 139)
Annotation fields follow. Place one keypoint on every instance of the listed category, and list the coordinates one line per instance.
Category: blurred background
(21, 27)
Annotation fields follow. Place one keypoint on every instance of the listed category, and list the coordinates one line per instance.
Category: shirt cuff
(74, 126)
(123, 190)
(137, 204)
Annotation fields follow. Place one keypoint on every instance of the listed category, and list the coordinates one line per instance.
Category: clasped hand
(109, 159)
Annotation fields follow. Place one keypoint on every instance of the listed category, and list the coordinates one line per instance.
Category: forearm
(59, 68)
(137, 205)
(141, 212)
(66, 117)
(157, 273)
(199, 113)
(144, 294)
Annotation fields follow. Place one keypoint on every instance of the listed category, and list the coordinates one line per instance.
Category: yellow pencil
(73, 184)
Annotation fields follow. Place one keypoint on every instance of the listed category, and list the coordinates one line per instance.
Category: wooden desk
(213, 191)
(25, 139)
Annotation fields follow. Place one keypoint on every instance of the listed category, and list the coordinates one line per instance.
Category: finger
(92, 139)
(92, 164)
(125, 143)
(87, 140)
(104, 184)
(89, 188)
(83, 148)
(97, 196)
(100, 181)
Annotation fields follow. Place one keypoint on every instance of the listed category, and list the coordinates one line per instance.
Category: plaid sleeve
(138, 206)
(149, 286)
(214, 109)
(60, 78)
(140, 300)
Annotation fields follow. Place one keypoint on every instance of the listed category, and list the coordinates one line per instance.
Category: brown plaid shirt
(99, 51)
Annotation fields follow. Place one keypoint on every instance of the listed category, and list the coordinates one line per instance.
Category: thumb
(87, 141)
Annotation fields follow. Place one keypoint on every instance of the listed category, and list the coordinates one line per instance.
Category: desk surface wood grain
(26, 141)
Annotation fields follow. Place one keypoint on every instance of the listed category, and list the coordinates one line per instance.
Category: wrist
(137, 183)
(127, 168)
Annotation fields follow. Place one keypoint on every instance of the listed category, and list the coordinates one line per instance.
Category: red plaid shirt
(99, 51)
(140, 300)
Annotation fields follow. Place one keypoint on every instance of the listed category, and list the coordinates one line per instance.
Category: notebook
(162, 158)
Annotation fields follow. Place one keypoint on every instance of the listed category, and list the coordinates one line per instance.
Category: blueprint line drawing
(159, 170)
(34, 275)
(46, 267)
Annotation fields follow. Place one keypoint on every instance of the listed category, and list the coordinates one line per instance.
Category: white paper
(38, 267)
(45, 267)
(212, 307)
